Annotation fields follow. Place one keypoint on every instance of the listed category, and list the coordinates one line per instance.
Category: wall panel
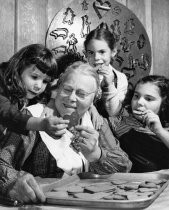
(32, 22)
(160, 31)
(122, 2)
(52, 8)
(7, 22)
(23, 22)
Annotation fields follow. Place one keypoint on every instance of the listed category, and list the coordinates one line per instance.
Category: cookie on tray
(100, 188)
(89, 196)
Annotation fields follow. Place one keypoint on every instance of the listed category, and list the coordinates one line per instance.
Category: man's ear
(114, 52)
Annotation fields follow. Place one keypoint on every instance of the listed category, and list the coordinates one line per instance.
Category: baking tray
(89, 178)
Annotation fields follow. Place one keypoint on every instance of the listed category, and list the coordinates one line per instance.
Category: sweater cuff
(107, 95)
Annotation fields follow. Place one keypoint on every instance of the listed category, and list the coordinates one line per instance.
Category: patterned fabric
(25, 153)
(124, 122)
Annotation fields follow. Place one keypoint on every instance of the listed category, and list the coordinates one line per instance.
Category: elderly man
(79, 148)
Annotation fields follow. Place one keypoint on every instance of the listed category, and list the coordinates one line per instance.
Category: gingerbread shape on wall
(69, 27)
(101, 8)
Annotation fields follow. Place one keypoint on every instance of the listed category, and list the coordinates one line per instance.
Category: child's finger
(56, 134)
(57, 121)
(61, 126)
(137, 112)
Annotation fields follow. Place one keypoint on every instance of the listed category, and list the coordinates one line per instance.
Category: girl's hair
(83, 68)
(34, 54)
(101, 33)
(163, 84)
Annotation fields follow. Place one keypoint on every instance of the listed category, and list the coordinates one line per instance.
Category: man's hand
(27, 190)
(88, 143)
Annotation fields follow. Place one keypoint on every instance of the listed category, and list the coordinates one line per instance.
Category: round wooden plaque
(69, 27)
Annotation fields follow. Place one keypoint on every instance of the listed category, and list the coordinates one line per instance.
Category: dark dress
(146, 152)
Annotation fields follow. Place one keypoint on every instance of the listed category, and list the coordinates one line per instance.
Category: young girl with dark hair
(100, 49)
(26, 77)
(142, 129)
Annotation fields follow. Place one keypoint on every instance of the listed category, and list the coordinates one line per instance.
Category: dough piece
(142, 189)
(63, 188)
(115, 197)
(75, 189)
(60, 194)
(119, 182)
(130, 186)
(100, 188)
(137, 197)
(125, 193)
(89, 196)
(160, 181)
(148, 185)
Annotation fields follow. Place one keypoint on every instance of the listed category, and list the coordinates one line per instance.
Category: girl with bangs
(26, 79)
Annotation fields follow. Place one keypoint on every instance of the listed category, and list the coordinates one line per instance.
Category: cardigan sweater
(21, 153)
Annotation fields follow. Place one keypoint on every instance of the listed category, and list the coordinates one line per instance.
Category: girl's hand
(108, 75)
(152, 120)
(88, 143)
(54, 126)
(96, 118)
(27, 190)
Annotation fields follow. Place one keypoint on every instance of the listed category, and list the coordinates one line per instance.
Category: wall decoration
(69, 27)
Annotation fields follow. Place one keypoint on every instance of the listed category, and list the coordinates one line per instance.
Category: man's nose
(72, 96)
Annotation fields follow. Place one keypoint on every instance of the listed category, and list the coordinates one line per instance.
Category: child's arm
(97, 119)
(19, 122)
(11, 117)
(113, 97)
(54, 126)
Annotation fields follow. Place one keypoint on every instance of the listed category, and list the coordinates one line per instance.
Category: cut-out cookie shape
(68, 29)
(101, 8)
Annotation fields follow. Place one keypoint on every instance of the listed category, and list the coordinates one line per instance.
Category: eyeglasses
(79, 93)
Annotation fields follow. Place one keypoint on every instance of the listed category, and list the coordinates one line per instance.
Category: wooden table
(161, 203)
